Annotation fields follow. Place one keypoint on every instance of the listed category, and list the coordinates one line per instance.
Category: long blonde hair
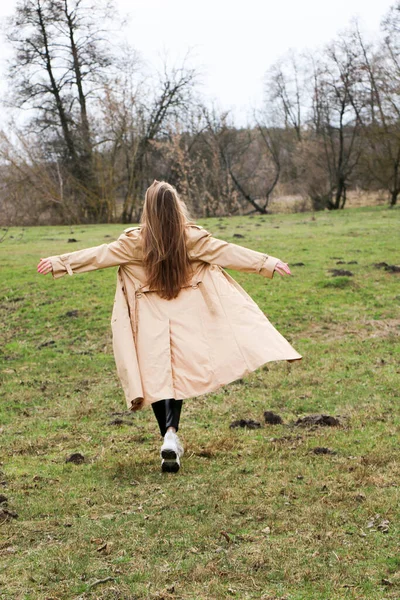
(165, 256)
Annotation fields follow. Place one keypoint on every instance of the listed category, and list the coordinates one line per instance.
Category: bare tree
(154, 116)
(285, 92)
(334, 120)
(250, 158)
(32, 188)
(380, 111)
(60, 62)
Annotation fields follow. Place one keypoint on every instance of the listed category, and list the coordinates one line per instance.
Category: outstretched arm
(233, 256)
(122, 251)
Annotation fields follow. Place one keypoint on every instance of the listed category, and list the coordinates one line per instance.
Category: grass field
(253, 513)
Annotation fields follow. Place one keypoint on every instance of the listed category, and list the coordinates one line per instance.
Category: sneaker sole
(170, 467)
(168, 454)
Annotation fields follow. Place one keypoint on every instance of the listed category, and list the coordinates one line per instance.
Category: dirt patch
(272, 418)
(362, 330)
(119, 421)
(317, 421)
(71, 313)
(76, 458)
(340, 273)
(7, 515)
(45, 344)
(390, 268)
(248, 423)
(323, 450)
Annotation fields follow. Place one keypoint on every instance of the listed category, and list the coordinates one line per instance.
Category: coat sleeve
(231, 256)
(122, 251)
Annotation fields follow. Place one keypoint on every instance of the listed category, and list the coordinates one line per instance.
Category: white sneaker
(170, 452)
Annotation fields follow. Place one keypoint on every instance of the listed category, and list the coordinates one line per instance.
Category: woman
(182, 326)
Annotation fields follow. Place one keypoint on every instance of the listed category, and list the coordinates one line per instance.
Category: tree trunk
(393, 197)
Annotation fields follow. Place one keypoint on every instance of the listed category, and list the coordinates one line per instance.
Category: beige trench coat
(211, 334)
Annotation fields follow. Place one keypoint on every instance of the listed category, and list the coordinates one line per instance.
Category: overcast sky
(233, 42)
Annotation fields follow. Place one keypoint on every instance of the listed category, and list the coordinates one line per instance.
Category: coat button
(138, 295)
(195, 286)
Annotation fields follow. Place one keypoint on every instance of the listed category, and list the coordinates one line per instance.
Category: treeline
(97, 130)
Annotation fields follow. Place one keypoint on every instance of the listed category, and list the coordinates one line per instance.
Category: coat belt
(208, 299)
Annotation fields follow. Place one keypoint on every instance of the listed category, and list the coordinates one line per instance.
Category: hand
(45, 266)
(282, 268)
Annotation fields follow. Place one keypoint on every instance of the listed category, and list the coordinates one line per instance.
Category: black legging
(167, 413)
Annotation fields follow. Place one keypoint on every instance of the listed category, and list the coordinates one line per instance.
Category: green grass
(201, 534)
